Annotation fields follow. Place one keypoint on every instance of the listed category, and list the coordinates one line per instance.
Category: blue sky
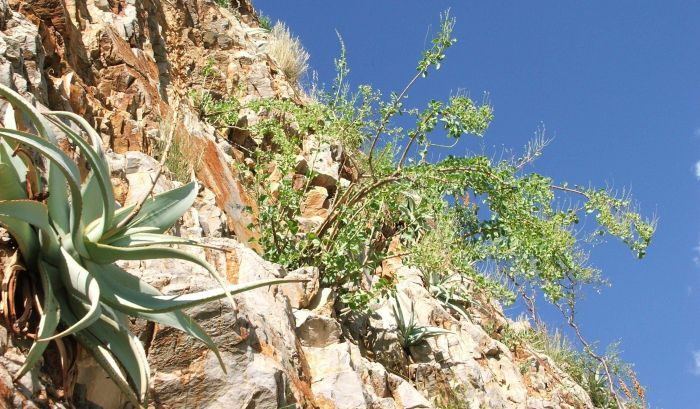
(616, 84)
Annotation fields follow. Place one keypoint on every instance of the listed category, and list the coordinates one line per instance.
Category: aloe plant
(69, 232)
(410, 333)
(446, 290)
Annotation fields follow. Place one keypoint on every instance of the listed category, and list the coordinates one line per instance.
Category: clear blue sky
(616, 83)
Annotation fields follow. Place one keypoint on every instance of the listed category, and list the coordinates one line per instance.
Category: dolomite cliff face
(127, 66)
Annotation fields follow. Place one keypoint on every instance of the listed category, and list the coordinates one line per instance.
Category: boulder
(335, 381)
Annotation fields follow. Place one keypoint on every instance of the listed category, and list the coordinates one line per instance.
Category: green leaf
(141, 239)
(128, 293)
(16, 216)
(134, 292)
(99, 176)
(11, 181)
(105, 254)
(80, 283)
(95, 139)
(35, 118)
(58, 198)
(25, 237)
(90, 190)
(66, 171)
(161, 212)
(48, 323)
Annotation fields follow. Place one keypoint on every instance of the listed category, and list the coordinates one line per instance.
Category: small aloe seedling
(410, 333)
(69, 233)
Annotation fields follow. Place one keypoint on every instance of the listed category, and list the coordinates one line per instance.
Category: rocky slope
(127, 66)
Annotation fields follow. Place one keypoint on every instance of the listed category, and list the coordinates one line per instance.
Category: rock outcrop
(128, 67)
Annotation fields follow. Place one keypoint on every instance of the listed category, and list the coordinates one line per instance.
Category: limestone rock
(315, 203)
(406, 396)
(211, 219)
(257, 341)
(334, 380)
(301, 294)
(319, 159)
(316, 330)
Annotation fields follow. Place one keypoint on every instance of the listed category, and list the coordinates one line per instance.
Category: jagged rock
(211, 219)
(30, 391)
(94, 387)
(375, 376)
(334, 380)
(405, 395)
(301, 294)
(124, 66)
(301, 166)
(257, 342)
(323, 302)
(319, 157)
(140, 171)
(315, 203)
(316, 330)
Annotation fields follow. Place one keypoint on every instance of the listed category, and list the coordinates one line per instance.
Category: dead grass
(287, 52)
(185, 155)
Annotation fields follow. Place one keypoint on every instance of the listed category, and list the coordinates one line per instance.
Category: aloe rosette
(71, 239)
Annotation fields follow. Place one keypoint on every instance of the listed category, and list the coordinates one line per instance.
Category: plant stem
(385, 120)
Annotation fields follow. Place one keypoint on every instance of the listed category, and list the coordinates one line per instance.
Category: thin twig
(589, 350)
(385, 120)
(570, 190)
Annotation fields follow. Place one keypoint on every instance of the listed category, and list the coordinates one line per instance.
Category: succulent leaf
(160, 213)
(81, 283)
(49, 319)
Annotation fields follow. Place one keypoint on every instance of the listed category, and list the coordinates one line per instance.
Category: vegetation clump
(458, 218)
(287, 51)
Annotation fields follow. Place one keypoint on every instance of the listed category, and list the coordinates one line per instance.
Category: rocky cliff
(130, 67)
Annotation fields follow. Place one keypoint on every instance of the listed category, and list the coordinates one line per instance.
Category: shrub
(183, 152)
(507, 231)
(69, 233)
(265, 22)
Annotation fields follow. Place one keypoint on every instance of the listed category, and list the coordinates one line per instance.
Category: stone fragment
(323, 302)
(405, 395)
(375, 376)
(316, 330)
(301, 166)
(211, 219)
(320, 161)
(334, 381)
(315, 203)
(301, 294)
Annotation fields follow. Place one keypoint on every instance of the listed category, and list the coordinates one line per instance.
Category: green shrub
(502, 229)
(514, 227)
(265, 22)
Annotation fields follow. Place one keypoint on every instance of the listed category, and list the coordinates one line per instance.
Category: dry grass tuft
(288, 52)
